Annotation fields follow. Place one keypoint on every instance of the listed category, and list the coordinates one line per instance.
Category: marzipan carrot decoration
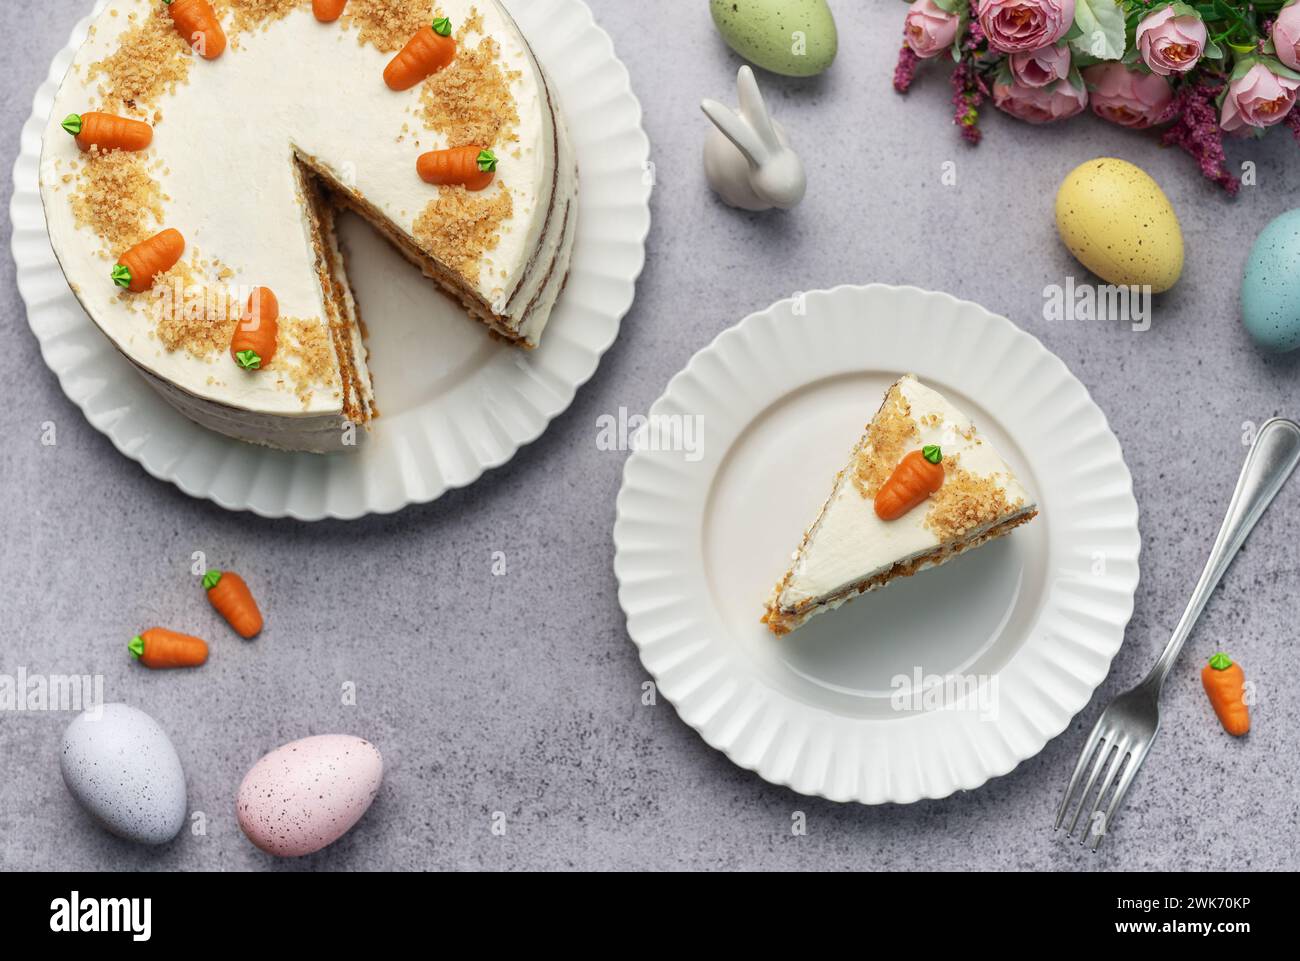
(197, 22)
(253, 343)
(1225, 683)
(233, 601)
(159, 648)
(431, 49)
(136, 269)
(918, 475)
(327, 11)
(108, 131)
(472, 167)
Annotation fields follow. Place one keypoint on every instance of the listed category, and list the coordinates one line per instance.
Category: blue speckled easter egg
(1270, 288)
(121, 767)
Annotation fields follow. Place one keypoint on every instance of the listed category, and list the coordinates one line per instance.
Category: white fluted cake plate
(468, 405)
(999, 648)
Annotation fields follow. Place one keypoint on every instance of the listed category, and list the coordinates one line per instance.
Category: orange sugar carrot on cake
(136, 269)
(327, 11)
(197, 22)
(108, 131)
(427, 52)
(253, 343)
(918, 475)
(233, 601)
(471, 167)
(160, 648)
(1225, 683)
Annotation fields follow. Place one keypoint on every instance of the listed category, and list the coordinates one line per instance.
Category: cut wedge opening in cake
(921, 487)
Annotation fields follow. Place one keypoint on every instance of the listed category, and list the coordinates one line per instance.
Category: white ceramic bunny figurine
(748, 159)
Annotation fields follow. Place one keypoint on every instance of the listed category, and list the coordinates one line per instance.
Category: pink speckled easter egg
(308, 793)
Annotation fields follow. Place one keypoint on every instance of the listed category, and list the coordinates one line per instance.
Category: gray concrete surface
(521, 693)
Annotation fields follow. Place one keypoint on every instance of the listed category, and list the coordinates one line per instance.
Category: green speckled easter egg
(796, 38)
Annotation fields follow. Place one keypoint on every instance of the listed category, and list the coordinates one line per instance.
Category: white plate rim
(793, 744)
(129, 425)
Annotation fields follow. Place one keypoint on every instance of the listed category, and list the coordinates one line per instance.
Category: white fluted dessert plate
(452, 402)
(1007, 642)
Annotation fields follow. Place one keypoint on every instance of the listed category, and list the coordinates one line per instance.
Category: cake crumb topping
(304, 353)
(117, 198)
(387, 24)
(966, 502)
(191, 315)
(887, 440)
(470, 102)
(459, 226)
(151, 59)
(250, 14)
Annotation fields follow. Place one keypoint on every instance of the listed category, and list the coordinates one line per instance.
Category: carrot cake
(198, 151)
(922, 486)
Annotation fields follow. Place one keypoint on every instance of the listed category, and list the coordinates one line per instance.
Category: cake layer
(849, 550)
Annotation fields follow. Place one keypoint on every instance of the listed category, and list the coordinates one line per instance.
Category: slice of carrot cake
(922, 486)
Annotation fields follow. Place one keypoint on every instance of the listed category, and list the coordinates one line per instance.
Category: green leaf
(487, 161)
(1076, 78)
(211, 579)
(136, 646)
(121, 275)
(932, 453)
(72, 124)
(1279, 68)
(249, 359)
(442, 27)
(951, 6)
(1101, 28)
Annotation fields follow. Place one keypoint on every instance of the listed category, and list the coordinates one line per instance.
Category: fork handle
(1270, 461)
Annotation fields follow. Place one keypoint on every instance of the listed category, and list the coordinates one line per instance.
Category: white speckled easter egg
(1270, 287)
(796, 38)
(308, 793)
(1120, 225)
(121, 767)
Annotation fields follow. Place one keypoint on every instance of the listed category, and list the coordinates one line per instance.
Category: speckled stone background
(521, 693)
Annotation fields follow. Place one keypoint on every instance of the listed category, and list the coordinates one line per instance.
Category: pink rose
(1041, 67)
(1013, 26)
(928, 30)
(1258, 98)
(1169, 43)
(1127, 97)
(1286, 35)
(1040, 104)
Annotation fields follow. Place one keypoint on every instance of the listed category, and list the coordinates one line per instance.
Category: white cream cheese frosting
(848, 544)
(223, 155)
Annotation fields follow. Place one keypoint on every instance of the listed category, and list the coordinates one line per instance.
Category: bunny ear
(737, 130)
(753, 109)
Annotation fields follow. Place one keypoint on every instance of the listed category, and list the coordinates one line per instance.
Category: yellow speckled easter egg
(1120, 225)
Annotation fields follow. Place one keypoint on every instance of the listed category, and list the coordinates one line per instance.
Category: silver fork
(1127, 728)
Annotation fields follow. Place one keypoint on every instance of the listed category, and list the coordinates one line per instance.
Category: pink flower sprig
(1196, 130)
(1293, 122)
(968, 93)
(905, 71)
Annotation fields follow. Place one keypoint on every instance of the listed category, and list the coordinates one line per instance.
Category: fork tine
(1121, 752)
(1093, 739)
(1130, 772)
(1102, 756)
